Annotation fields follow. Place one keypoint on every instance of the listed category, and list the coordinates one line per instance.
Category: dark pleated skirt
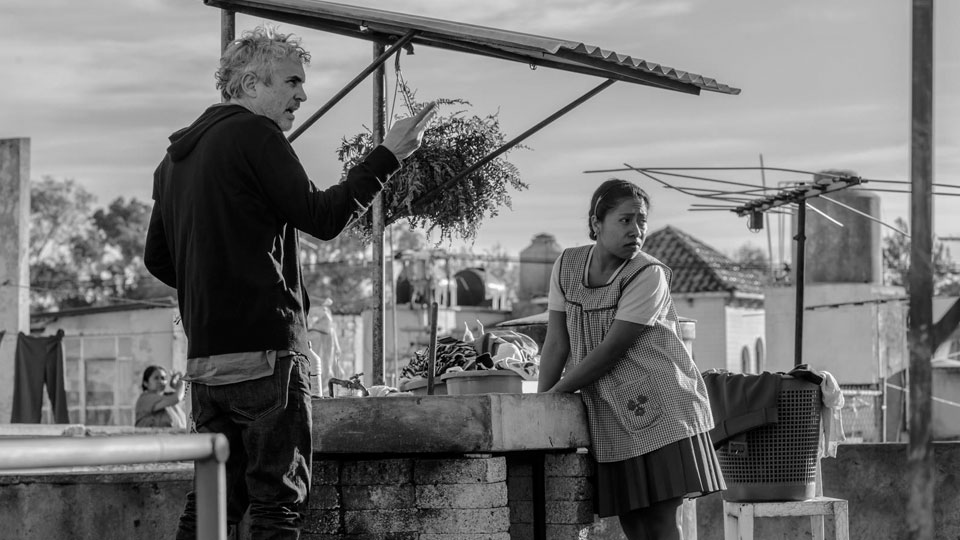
(687, 468)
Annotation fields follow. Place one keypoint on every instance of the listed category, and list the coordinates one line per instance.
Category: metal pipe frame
(228, 28)
(377, 63)
(801, 239)
(377, 221)
(208, 451)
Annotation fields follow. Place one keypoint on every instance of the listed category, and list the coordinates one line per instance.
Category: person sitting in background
(157, 408)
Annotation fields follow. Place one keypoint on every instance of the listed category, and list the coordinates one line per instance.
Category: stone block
(376, 536)
(448, 521)
(557, 488)
(524, 531)
(459, 471)
(521, 531)
(324, 497)
(466, 536)
(520, 488)
(569, 488)
(493, 495)
(558, 512)
(322, 522)
(518, 466)
(388, 472)
(521, 511)
(567, 532)
(568, 464)
(379, 521)
(569, 512)
(326, 472)
(378, 497)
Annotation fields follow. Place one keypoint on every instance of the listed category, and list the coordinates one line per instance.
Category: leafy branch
(452, 143)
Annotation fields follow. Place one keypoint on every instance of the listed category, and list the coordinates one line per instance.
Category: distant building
(106, 350)
(725, 299)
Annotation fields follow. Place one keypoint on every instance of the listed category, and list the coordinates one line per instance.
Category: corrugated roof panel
(381, 25)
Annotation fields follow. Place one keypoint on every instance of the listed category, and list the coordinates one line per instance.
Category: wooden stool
(738, 516)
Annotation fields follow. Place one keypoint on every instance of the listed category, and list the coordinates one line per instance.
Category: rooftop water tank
(536, 263)
(476, 287)
(848, 254)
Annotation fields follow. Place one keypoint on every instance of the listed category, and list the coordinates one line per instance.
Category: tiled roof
(698, 267)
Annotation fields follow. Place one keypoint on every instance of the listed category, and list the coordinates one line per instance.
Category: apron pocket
(636, 404)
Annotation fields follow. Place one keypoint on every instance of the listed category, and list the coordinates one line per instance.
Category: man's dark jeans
(267, 422)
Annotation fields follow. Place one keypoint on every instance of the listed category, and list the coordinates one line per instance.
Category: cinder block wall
(120, 504)
(459, 498)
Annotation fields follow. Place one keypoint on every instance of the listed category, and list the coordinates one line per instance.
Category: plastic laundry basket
(779, 461)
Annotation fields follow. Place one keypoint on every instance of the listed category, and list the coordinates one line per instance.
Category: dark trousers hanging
(39, 361)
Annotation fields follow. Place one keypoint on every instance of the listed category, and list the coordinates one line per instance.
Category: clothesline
(934, 398)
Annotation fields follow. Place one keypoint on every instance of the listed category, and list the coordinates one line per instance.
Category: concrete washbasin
(449, 424)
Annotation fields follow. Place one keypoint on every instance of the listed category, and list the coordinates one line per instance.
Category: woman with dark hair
(156, 407)
(611, 314)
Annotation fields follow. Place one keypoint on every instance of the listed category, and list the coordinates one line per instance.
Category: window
(746, 363)
(101, 380)
(761, 361)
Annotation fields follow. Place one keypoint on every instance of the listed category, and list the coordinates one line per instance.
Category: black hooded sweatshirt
(229, 196)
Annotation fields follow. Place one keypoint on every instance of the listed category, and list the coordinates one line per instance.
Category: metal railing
(209, 452)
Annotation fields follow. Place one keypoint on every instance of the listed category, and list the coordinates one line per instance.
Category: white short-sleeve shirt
(642, 301)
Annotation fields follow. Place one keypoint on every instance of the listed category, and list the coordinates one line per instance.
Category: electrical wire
(910, 192)
(863, 214)
(824, 214)
(905, 182)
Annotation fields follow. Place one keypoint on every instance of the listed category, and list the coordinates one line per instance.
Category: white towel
(831, 424)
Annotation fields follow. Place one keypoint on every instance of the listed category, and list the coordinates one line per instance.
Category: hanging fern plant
(453, 142)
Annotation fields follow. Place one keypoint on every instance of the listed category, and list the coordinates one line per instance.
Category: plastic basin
(493, 381)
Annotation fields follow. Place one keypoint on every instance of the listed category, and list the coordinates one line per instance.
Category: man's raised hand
(404, 137)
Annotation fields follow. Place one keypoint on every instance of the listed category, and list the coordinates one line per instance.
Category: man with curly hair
(230, 196)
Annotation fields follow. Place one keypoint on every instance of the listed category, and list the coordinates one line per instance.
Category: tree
(61, 239)
(124, 225)
(751, 257)
(896, 263)
(81, 258)
(122, 231)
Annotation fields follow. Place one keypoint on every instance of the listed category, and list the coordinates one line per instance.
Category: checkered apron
(654, 395)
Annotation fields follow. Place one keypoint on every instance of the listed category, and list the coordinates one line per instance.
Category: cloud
(99, 86)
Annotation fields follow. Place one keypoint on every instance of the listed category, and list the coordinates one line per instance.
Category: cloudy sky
(98, 85)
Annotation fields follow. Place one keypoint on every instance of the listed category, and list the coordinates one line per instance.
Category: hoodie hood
(183, 141)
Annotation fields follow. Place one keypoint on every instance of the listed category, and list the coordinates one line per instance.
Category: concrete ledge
(449, 424)
(76, 430)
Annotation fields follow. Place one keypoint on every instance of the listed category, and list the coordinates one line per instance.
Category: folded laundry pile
(495, 349)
